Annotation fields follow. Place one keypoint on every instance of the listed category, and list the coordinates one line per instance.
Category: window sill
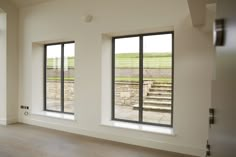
(55, 115)
(141, 127)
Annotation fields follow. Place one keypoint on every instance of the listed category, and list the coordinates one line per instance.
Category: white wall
(8, 63)
(3, 67)
(61, 20)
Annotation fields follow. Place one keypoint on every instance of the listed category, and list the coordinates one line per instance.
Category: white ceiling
(24, 3)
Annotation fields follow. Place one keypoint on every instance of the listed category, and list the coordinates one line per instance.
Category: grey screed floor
(21, 140)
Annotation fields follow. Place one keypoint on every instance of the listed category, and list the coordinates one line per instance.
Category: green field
(51, 62)
(127, 60)
(58, 79)
(150, 60)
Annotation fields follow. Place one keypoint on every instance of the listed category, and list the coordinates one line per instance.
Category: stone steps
(161, 85)
(153, 108)
(160, 89)
(159, 93)
(156, 103)
(159, 97)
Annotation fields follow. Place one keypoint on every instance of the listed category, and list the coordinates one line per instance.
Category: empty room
(108, 78)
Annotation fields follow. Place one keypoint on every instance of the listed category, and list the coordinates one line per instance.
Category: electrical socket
(24, 107)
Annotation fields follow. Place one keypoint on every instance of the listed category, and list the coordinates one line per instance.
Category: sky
(152, 43)
(54, 51)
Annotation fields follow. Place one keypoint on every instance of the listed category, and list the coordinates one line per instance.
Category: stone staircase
(158, 98)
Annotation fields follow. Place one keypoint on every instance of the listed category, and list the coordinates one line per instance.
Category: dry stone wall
(54, 90)
(127, 93)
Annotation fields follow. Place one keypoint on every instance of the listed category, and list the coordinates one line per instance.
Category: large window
(59, 71)
(142, 78)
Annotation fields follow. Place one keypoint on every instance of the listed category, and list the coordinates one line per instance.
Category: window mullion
(141, 79)
(45, 78)
(113, 79)
(62, 77)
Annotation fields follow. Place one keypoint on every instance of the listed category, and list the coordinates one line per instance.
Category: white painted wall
(3, 67)
(8, 63)
(61, 20)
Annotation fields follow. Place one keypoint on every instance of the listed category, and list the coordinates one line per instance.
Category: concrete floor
(21, 140)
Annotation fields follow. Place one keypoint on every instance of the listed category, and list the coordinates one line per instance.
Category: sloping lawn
(51, 62)
(150, 61)
(127, 60)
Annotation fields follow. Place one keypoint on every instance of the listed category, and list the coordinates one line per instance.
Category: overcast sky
(153, 43)
(54, 51)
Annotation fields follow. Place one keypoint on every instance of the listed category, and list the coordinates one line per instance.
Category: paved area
(55, 105)
(121, 112)
(127, 112)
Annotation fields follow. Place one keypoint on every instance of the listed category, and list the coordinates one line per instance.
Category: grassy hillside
(51, 62)
(151, 60)
(128, 60)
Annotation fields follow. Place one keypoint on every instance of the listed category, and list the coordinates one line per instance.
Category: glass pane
(157, 76)
(69, 77)
(53, 83)
(126, 85)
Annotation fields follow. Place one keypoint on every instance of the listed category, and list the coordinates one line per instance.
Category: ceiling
(24, 3)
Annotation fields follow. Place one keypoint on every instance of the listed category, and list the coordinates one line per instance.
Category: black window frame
(62, 77)
(140, 112)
